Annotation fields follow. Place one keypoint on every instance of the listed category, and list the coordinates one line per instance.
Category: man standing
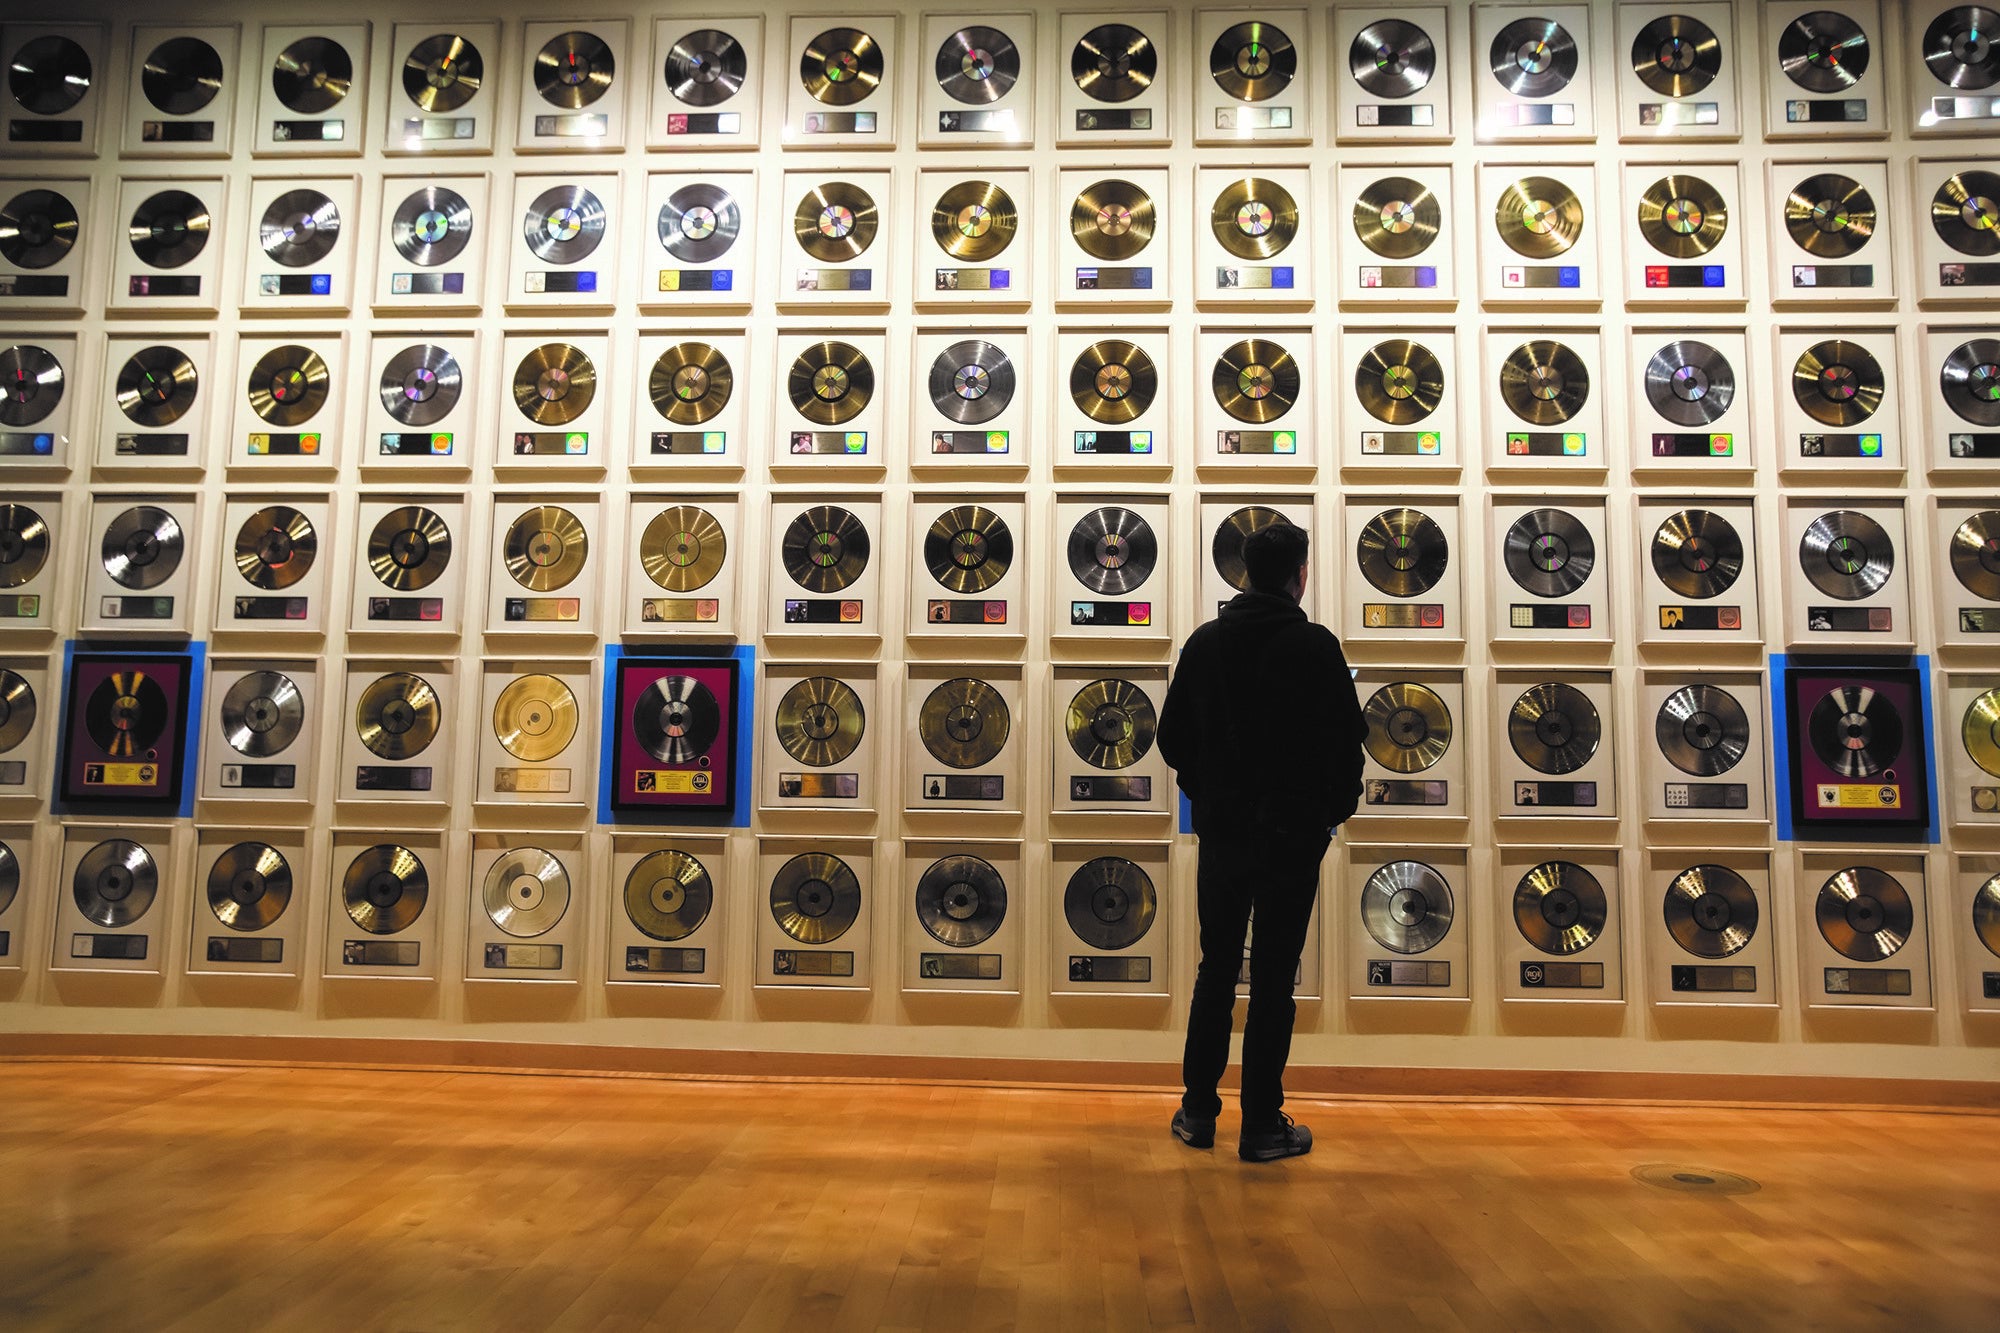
(1263, 729)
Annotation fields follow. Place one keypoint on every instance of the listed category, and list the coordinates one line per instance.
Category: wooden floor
(180, 1197)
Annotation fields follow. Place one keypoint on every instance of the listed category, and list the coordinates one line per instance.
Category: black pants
(1277, 879)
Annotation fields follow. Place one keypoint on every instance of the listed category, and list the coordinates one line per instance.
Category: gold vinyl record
(1539, 217)
(825, 549)
(526, 892)
(830, 383)
(535, 718)
(409, 548)
(1113, 381)
(1682, 216)
(115, 883)
(815, 898)
(1407, 907)
(1554, 728)
(1112, 220)
(574, 69)
(312, 75)
(181, 75)
(1399, 382)
(1697, 553)
(17, 709)
(835, 222)
(1838, 383)
(1409, 727)
(385, 889)
(1254, 218)
(1965, 212)
(1110, 903)
(1676, 56)
(156, 386)
(1560, 908)
(1226, 547)
(1864, 914)
(288, 385)
(1114, 62)
(24, 544)
(968, 549)
(262, 713)
(545, 548)
(126, 714)
(275, 547)
(1549, 552)
(1975, 554)
(398, 716)
(964, 723)
(820, 721)
(691, 383)
(249, 886)
(1986, 915)
(142, 547)
(1255, 381)
(841, 66)
(668, 894)
(1253, 62)
(1402, 552)
(682, 548)
(1979, 729)
(974, 221)
(961, 901)
(1829, 215)
(1702, 730)
(1544, 383)
(1397, 218)
(1711, 911)
(1969, 381)
(554, 384)
(1111, 723)
(442, 72)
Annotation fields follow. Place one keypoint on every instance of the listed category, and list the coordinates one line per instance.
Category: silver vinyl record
(181, 76)
(699, 223)
(1690, 383)
(1110, 903)
(1406, 907)
(312, 75)
(1112, 550)
(971, 382)
(1549, 553)
(1864, 914)
(420, 384)
(48, 75)
(526, 892)
(249, 886)
(299, 228)
(156, 386)
(1554, 728)
(668, 894)
(142, 548)
(37, 228)
(1846, 555)
(961, 901)
(1711, 911)
(977, 65)
(17, 709)
(31, 384)
(1855, 731)
(1702, 730)
(1697, 553)
(677, 719)
(705, 68)
(1965, 212)
(1823, 52)
(564, 224)
(1533, 57)
(10, 876)
(1560, 908)
(1961, 47)
(573, 70)
(432, 226)
(24, 544)
(1975, 554)
(115, 883)
(262, 713)
(1392, 58)
(1970, 381)
(169, 229)
(275, 547)
(815, 897)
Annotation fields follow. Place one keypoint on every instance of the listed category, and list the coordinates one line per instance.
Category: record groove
(1539, 217)
(1676, 55)
(31, 384)
(1533, 57)
(974, 221)
(968, 549)
(312, 75)
(1560, 908)
(1965, 213)
(545, 548)
(835, 222)
(1823, 52)
(409, 548)
(691, 383)
(1961, 47)
(825, 549)
(1399, 382)
(127, 714)
(181, 76)
(1682, 217)
(820, 721)
(249, 886)
(563, 224)
(1829, 215)
(1970, 381)
(49, 74)
(24, 544)
(1112, 220)
(1253, 61)
(1402, 552)
(1847, 555)
(1975, 554)
(699, 222)
(385, 889)
(1711, 911)
(398, 716)
(115, 883)
(17, 710)
(288, 385)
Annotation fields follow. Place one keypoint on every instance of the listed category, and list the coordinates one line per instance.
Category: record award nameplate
(1407, 934)
(1414, 757)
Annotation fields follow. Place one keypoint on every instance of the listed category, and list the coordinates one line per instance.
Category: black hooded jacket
(1261, 723)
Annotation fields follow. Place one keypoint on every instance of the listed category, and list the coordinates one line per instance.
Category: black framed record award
(1859, 753)
(125, 732)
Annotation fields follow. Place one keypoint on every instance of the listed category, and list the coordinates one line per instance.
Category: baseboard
(1309, 1081)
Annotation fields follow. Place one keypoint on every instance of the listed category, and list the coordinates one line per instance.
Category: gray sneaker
(1194, 1131)
(1269, 1145)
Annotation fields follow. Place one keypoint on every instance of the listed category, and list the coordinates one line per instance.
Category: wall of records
(671, 528)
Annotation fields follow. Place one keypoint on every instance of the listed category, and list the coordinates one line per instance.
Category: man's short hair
(1273, 556)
